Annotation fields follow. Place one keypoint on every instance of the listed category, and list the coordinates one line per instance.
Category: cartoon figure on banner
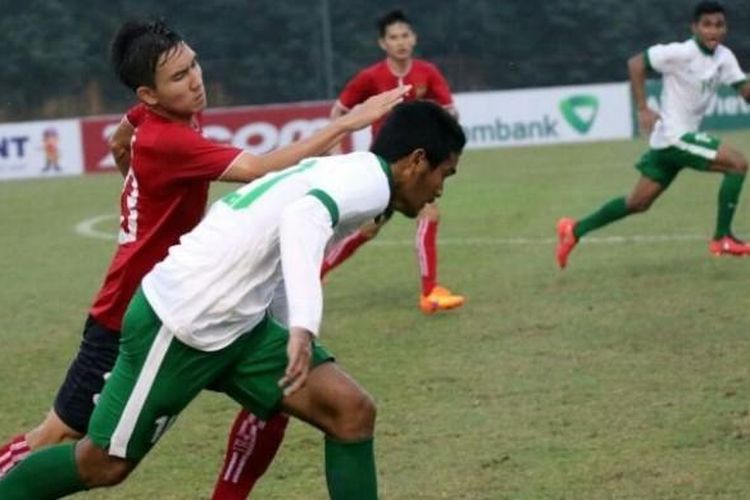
(50, 143)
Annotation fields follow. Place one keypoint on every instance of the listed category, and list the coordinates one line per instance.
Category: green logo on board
(580, 111)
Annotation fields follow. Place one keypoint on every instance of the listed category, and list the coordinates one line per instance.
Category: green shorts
(156, 376)
(693, 150)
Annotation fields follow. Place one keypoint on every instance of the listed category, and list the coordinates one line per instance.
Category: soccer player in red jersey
(168, 169)
(400, 68)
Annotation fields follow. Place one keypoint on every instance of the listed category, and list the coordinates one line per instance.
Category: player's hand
(299, 352)
(374, 108)
(647, 118)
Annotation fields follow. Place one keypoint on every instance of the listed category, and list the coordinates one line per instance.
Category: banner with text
(40, 149)
(545, 115)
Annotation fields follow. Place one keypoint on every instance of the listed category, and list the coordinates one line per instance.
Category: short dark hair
(707, 7)
(392, 17)
(136, 49)
(419, 124)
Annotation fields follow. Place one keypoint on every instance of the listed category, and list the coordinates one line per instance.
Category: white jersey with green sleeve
(691, 75)
(265, 240)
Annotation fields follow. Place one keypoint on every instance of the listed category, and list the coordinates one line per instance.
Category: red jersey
(426, 80)
(163, 197)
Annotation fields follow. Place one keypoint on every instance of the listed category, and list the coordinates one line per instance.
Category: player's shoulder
(724, 52)
(685, 47)
(375, 69)
(166, 133)
(422, 63)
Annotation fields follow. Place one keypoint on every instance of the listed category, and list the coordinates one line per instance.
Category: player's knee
(97, 468)
(639, 206)
(736, 162)
(355, 417)
(741, 164)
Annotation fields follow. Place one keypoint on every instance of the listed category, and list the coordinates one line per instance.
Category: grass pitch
(625, 376)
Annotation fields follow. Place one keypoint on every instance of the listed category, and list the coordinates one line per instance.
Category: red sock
(13, 452)
(342, 251)
(427, 253)
(252, 445)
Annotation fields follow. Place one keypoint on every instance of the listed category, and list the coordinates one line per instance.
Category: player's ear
(418, 161)
(147, 95)
(381, 42)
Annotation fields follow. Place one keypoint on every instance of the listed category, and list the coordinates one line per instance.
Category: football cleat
(440, 299)
(566, 240)
(729, 245)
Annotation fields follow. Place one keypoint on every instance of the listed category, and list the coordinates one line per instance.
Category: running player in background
(399, 68)
(163, 197)
(691, 72)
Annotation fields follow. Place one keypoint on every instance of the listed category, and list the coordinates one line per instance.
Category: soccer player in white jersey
(691, 72)
(201, 318)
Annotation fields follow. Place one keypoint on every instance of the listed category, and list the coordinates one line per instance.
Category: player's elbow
(117, 148)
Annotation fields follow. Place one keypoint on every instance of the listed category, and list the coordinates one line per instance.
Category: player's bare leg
(433, 297)
(51, 431)
(733, 165)
(333, 402)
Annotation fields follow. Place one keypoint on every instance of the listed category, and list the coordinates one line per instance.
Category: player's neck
(399, 67)
(702, 47)
(173, 117)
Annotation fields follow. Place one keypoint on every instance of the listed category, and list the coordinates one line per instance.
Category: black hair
(392, 17)
(136, 49)
(419, 124)
(707, 7)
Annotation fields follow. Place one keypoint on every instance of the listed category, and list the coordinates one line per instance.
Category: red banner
(258, 129)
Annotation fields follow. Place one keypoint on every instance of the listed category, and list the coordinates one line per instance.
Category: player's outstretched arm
(637, 72)
(248, 167)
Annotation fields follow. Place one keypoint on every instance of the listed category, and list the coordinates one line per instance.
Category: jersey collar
(389, 175)
(386, 170)
(396, 73)
(705, 50)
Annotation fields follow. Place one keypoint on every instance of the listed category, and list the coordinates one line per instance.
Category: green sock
(45, 474)
(611, 211)
(350, 470)
(729, 194)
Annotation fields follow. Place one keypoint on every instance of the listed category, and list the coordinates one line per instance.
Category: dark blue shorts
(96, 356)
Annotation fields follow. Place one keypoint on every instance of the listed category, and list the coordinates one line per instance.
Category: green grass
(626, 376)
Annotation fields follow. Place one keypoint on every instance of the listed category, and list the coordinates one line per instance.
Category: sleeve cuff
(738, 84)
(327, 202)
(647, 60)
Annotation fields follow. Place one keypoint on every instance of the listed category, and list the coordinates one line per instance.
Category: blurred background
(55, 52)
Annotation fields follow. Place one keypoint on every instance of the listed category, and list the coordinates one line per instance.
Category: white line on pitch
(88, 228)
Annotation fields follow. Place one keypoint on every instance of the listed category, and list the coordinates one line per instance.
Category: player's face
(398, 42)
(711, 29)
(422, 184)
(178, 90)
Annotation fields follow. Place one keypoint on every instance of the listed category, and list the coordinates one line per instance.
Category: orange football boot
(440, 299)
(729, 245)
(566, 240)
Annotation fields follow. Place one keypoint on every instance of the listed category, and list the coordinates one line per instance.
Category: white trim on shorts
(118, 445)
(696, 150)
